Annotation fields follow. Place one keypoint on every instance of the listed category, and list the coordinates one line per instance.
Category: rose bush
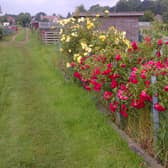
(120, 72)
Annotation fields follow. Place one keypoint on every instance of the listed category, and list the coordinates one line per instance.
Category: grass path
(21, 35)
(46, 122)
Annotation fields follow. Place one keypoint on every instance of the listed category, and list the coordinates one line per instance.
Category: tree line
(150, 8)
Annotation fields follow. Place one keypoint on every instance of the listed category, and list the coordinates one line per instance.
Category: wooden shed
(125, 21)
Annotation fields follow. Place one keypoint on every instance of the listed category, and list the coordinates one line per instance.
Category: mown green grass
(21, 35)
(46, 122)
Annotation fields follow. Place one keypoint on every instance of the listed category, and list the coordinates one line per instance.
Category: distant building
(11, 20)
(125, 21)
(34, 24)
(53, 19)
(6, 24)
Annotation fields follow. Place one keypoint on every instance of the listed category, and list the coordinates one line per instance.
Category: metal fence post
(155, 113)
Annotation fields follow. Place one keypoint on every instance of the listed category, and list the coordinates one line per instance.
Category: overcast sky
(49, 6)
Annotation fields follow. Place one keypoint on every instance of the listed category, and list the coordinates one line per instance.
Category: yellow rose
(74, 34)
(82, 19)
(75, 56)
(102, 37)
(85, 54)
(89, 50)
(68, 65)
(68, 39)
(84, 45)
(61, 31)
(79, 59)
(106, 12)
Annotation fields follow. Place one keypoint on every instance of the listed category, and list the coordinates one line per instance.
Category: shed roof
(114, 14)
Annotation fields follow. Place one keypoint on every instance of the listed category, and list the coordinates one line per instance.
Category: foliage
(1, 33)
(155, 7)
(157, 30)
(39, 15)
(24, 19)
(97, 8)
(3, 19)
(80, 9)
(148, 16)
(119, 72)
(5, 32)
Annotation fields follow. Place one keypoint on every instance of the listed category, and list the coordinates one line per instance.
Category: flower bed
(120, 72)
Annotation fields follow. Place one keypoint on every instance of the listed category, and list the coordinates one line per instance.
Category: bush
(120, 73)
(1, 33)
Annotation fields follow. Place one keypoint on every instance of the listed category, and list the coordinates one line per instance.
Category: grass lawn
(21, 34)
(46, 122)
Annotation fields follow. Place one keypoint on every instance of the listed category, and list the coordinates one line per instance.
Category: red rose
(134, 45)
(147, 83)
(87, 87)
(114, 84)
(160, 42)
(147, 39)
(143, 75)
(137, 103)
(145, 97)
(159, 107)
(121, 96)
(158, 54)
(166, 88)
(77, 75)
(113, 106)
(96, 86)
(109, 66)
(123, 110)
(118, 57)
(106, 72)
(107, 95)
(123, 65)
(96, 72)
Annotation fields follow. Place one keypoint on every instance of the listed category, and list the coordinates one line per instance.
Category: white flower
(79, 59)
(106, 12)
(68, 39)
(82, 19)
(68, 65)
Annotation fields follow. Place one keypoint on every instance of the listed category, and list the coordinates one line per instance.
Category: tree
(80, 9)
(97, 8)
(3, 19)
(122, 6)
(165, 17)
(148, 16)
(148, 5)
(39, 16)
(24, 19)
(69, 15)
(1, 33)
(134, 5)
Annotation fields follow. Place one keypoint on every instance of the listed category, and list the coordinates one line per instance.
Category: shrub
(120, 73)
(1, 33)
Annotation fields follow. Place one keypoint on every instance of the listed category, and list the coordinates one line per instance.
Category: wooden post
(155, 112)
